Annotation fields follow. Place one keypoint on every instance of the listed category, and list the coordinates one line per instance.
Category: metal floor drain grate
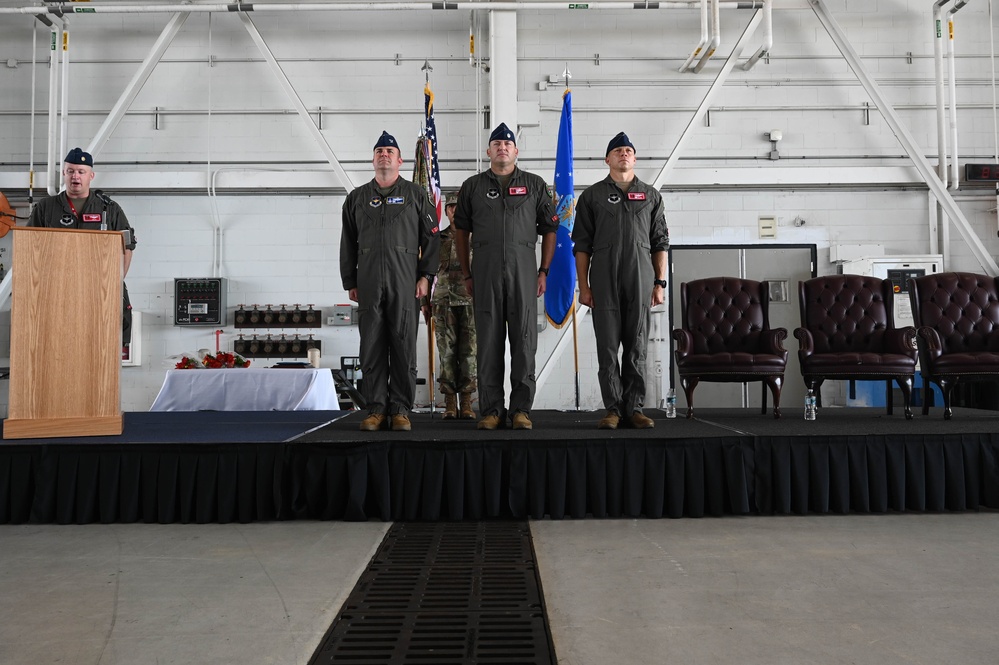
(444, 593)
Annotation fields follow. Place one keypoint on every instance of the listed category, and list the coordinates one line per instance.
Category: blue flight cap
(77, 156)
(386, 140)
(503, 133)
(619, 141)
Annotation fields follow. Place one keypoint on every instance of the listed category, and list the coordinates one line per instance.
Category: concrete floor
(834, 589)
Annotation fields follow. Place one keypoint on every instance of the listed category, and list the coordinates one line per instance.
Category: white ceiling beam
(697, 119)
(139, 79)
(303, 112)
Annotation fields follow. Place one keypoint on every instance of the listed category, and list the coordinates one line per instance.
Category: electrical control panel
(200, 301)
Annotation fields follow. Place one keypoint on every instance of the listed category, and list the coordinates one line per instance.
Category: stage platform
(230, 466)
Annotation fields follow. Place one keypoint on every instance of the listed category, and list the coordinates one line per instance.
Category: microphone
(107, 201)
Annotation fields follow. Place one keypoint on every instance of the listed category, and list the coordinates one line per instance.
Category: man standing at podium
(79, 208)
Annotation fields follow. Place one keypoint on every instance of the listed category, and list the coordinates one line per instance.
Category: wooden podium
(65, 334)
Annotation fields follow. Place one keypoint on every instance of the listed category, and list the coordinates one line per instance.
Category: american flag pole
(427, 175)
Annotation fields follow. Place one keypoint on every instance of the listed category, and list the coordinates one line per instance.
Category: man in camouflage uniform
(454, 325)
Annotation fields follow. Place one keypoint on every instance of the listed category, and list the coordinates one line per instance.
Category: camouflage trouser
(455, 332)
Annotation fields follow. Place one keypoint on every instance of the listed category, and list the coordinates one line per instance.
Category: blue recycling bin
(872, 393)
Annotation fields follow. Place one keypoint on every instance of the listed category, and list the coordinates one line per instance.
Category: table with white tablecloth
(247, 389)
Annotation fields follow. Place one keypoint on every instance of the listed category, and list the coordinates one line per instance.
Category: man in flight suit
(501, 212)
(388, 257)
(80, 208)
(620, 241)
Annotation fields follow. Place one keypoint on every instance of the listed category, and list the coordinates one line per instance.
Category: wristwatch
(543, 270)
(661, 282)
(429, 276)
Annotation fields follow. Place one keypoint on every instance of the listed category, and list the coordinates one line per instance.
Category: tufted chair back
(962, 307)
(725, 314)
(847, 333)
(957, 315)
(726, 337)
(846, 312)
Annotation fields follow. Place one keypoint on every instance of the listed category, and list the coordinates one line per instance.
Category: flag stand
(575, 348)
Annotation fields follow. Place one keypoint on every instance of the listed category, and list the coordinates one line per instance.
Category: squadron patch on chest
(395, 200)
(636, 196)
(375, 201)
(614, 198)
(91, 217)
(518, 191)
(492, 193)
(67, 220)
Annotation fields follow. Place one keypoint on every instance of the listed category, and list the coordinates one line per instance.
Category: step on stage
(226, 467)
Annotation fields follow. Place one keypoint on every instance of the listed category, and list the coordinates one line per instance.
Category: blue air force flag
(560, 295)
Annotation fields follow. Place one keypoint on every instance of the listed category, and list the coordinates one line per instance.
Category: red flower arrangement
(188, 363)
(221, 360)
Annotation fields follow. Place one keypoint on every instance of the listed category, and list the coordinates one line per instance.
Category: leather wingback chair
(847, 332)
(957, 324)
(725, 336)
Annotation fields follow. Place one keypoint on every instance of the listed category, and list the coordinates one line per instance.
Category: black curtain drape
(406, 480)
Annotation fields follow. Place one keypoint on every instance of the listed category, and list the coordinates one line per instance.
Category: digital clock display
(981, 172)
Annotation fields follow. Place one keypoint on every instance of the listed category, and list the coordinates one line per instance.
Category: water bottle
(671, 403)
(810, 405)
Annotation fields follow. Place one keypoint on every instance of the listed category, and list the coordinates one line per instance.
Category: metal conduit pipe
(95, 8)
(703, 40)
(939, 80)
(768, 37)
(162, 111)
(715, 37)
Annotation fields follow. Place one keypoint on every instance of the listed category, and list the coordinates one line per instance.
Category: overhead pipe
(64, 84)
(702, 42)
(955, 177)
(51, 163)
(943, 225)
(939, 76)
(768, 37)
(34, 100)
(433, 5)
(715, 41)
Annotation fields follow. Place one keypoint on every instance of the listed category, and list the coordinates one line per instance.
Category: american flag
(428, 174)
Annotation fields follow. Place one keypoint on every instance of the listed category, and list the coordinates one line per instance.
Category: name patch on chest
(395, 200)
(636, 196)
(518, 191)
(91, 217)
